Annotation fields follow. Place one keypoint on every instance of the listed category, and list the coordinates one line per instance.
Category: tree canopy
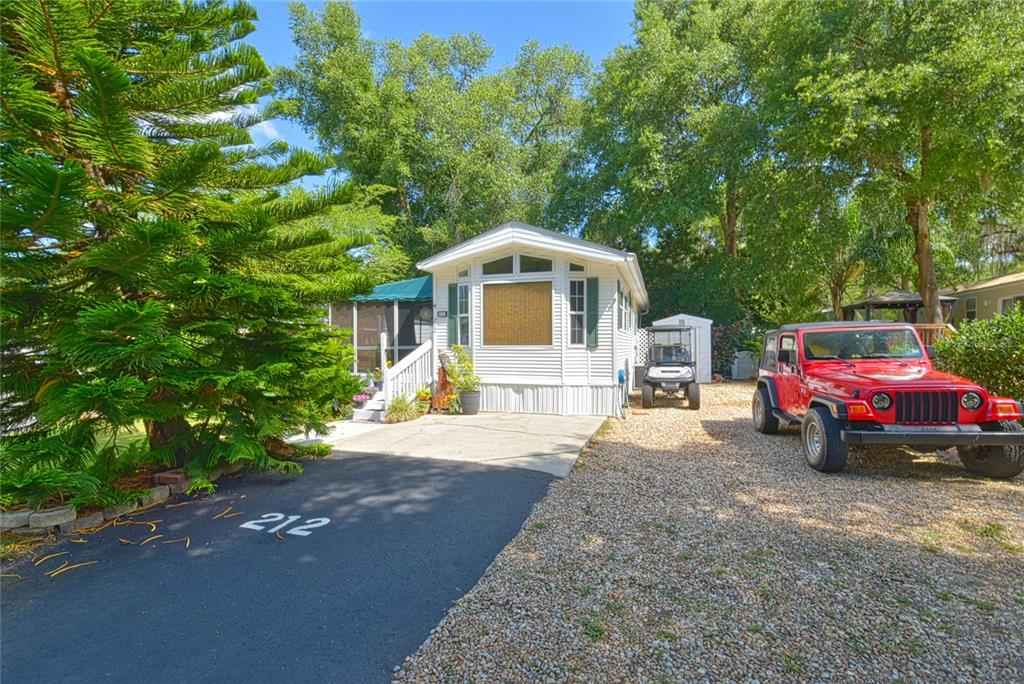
(462, 146)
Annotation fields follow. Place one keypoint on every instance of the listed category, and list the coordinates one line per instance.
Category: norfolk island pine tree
(154, 271)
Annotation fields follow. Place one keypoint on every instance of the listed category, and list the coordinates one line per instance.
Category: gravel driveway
(686, 546)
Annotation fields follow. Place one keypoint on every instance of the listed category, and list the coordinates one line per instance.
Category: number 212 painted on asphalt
(301, 530)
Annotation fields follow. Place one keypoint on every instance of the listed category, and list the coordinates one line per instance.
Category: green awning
(411, 290)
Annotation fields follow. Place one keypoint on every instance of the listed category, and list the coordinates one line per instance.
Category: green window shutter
(591, 313)
(453, 313)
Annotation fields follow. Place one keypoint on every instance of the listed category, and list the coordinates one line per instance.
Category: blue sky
(595, 28)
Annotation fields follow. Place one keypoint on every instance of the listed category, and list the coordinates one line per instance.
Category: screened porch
(402, 310)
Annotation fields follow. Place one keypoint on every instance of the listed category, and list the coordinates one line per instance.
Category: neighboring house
(986, 298)
(550, 320)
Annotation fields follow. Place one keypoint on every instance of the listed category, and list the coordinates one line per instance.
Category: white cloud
(265, 131)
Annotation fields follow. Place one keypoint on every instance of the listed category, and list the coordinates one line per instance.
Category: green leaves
(989, 352)
(152, 277)
(462, 149)
(102, 126)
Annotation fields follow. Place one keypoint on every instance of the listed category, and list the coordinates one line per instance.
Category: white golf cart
(670, 365)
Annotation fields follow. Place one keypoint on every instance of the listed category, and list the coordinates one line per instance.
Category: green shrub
(729, 338)
(454, 405)
(461, 372)
(989, 352)
(400, 410)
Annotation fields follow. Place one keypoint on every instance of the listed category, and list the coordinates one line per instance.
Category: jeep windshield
(862, 343)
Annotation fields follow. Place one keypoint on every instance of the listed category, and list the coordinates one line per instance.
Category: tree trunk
(174, 433)
(837, 300)
(728, 221)
(927, 282)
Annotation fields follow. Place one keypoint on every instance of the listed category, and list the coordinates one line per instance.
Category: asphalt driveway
(335, 575)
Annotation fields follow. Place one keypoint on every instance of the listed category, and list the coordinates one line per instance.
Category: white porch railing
(409, 374)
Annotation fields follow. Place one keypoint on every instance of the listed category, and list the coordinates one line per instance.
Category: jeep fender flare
(835, 406)
(773, 393)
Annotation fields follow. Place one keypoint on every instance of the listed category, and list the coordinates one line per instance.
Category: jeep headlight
(881, 401)
(971, 401)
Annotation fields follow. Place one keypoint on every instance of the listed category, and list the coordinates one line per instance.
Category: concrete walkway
(549, 444)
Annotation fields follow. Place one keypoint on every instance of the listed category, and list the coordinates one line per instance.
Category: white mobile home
(550, 320)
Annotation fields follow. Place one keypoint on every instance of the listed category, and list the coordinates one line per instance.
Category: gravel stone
(685, 546)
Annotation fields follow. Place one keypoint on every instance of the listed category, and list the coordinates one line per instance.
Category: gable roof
(411, 290)
(523, 235)
(997, 281)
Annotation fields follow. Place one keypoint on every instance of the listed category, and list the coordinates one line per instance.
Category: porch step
(371, 415)
(374, 405)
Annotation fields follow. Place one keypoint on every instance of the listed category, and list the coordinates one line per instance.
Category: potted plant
(464, 380)
(423, 399)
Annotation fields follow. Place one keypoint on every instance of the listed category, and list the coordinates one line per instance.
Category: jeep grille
(927, 408)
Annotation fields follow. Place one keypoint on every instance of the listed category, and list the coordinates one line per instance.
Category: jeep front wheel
(646, 395)
(765, 421)
(1001, 462)
(823, 448)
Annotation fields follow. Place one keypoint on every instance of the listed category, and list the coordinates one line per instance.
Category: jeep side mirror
(929, 349)
(784, 356)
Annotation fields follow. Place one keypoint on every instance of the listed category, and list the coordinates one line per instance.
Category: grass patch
(540, 525)
(668, 636)
(759, 557)
(791, 664)
(594, 627)
(992, 531)
(615, 607)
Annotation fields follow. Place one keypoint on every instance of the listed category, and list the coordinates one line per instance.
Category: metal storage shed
(702, 326)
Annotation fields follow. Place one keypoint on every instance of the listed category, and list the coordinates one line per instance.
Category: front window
(463, 314)
(971, 308)
(577, 311)
(850, 345)
(500, 266)
(532, 264)
(1009, 303)
(517, 313)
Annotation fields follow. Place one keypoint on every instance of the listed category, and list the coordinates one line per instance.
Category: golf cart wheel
(824, 450)
(693, 396)
(646, 395)
(1002, 462)
(765, 421)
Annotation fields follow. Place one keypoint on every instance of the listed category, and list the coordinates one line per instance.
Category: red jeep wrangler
(859, 383)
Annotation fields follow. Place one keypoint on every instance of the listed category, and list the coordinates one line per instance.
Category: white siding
(572, 400)
(560, 378)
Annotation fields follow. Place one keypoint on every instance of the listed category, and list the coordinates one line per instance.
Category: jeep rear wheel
(1001, 462)
(693, 396)
(765, 421)
(646, 395)
(823, 448)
